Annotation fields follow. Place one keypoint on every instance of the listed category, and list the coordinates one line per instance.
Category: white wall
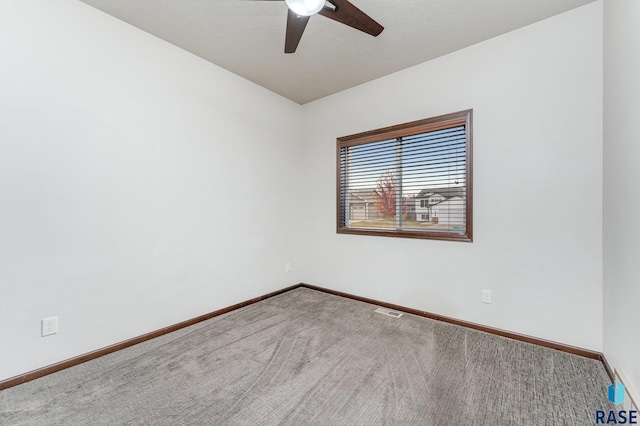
(621, 197)
(128, 168)
(537, 100)
(122, 158)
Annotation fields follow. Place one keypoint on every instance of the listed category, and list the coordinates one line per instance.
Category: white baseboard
(632, 400)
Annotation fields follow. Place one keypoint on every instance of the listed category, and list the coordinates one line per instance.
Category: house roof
(368, 195)
(448, 192)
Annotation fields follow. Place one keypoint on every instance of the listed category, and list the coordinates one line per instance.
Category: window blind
(415, 184)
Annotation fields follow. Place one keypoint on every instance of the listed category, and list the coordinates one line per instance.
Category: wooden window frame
(408, 129)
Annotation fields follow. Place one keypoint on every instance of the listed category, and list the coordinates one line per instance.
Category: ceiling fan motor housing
(305, 7)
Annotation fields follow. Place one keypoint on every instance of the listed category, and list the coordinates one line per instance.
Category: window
(402, 164)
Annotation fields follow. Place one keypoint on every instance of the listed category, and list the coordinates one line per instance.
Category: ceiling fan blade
(295, 27)
(346, 13)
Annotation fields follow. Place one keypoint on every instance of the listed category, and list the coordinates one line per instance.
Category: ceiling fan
(339, 10)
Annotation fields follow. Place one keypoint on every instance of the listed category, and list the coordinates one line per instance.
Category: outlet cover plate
(49, 326)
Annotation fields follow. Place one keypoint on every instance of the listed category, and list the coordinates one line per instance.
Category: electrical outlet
(287, 267)
(486, 296)
(49, 326)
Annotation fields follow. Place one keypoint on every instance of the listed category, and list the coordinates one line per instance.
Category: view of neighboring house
(450, 212)
(361, 205)
(409, 207)
(441, 205)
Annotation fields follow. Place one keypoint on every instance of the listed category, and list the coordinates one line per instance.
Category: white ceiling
(246, 37)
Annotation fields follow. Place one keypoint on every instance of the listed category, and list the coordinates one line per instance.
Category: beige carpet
(309, 358)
